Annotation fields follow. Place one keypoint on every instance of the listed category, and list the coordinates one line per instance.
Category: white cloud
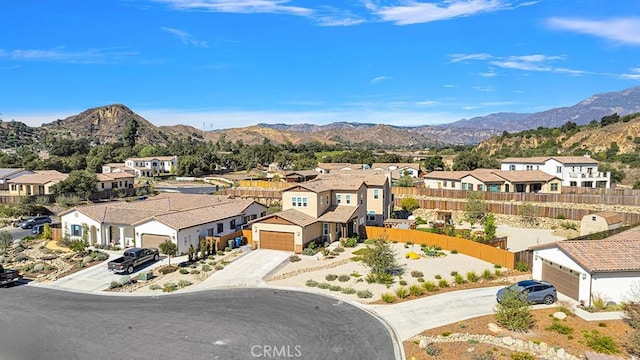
(414, 12)
(483, 88)
(60, 54)
(634, 74)
(466, 57)
(449, 85)
(185, 37)
(427, 103)
(488, 74)
(379, 79)
(625, 30)
(339, 21)
(239, 6)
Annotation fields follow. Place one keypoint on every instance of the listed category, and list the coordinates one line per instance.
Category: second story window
(529, 167)
(376, 193)
(512, 167)
(339, 198)
(232, 224)
(558, 169)
(220, 227)
(348, 199)
(293, 201)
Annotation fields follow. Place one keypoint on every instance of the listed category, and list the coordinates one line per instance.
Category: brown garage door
(153, 241)
(276, 240)
(565, 280)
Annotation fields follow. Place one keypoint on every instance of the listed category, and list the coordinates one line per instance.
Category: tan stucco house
(116, 180)
(37, 183)
(325, 209)
(494, 180)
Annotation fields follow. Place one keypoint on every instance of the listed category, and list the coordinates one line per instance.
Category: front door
(325, 232)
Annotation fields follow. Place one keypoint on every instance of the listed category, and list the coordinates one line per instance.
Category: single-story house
(181, 218)
(115, 180)
(600, 221)
(494, 180)
(587, 269)
(39, 182)
(325, 168)
(399, 170)
(7, 174)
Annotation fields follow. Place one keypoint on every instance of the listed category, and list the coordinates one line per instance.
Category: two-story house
(399, 170)
(576, 171)
(325, 209)
(116, 180)
(179, 218)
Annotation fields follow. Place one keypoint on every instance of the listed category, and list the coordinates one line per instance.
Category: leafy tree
(405, 181)
(434, 163)
(409, 204)
(79, 246)
(514, 311)
(81, 182)
(475, 208)
(6, 238)
(609, 119)
(471, 160)
(131, 133)
(168, 248)
(617, 175)
(490, 227)
(381, 258)
(46, 232)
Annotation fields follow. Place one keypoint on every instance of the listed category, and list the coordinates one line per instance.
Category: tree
(409, 204)
(46, 232)
(475, 208)
(405, 181)
(528, 213)
(434, 163)
(168, 248)
(514, 311)
(6, 238)
(381, 258)
(81, 182)
(490, 227)
(617, 175)
(79, 246)
(131, 134)
(471, 160)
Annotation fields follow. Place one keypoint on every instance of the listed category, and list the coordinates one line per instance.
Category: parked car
(29, 223)
(537, 292)
(132, 258)
(37, 229)
(8, 276)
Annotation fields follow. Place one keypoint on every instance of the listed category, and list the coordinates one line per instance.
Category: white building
(576, 171)
(150, 166)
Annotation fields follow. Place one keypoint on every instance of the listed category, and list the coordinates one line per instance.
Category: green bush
(350, 242)
(420, 280)
(294, 258)
(454, 273)
(600, 343)
(344, 278)
(331, 277)
(339, 250)
(402, 282)
(169, 287)
(487, 274)
(560, 328)
(183, 271)
(402, 292)
(154, 287)
(454, 251)
(324, 286)
(514, 311)
(417, 274)
(569, 225)
(114, 284)
(520, 355)
(432, 350)
(472, 276)
(335, 288)
(520, 266)
(443, 283)
(167, 269)
(364, 294)
(498, 273)
(416, 290)
(220, 253)
(311, 283)
(429, 286)
(497, 266)
(184, 283)
(458, 279)
(195, 272)
(349, 291)
(438, 277)
(38, 268)
(206, 268)
(227, 249)
(388, 298)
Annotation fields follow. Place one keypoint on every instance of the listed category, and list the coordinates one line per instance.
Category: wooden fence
(525, 257)
(253, 194)
(484, 252)
(264, 184)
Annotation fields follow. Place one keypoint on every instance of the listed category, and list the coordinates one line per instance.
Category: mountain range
(109, 124)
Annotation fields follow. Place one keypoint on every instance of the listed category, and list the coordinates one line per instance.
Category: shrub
(335, 288)
(416, 290)
(402, 282)
(520, 266)
(497, 266)
(349, 291)
(364, 294)
(220, 253)
(569, 225)
(446, 333)
(498, 273)
(514, 311)
(195, 272)
(438, 277)
(211, 257)
(417, 274)
(184, 283)
(218, 267)
(206, 268)
(324, 285)
(487, 274)
(388, 298)
(87, 259)
(402, 292)
(520, 355)
(443, 283)
(383, 278)
(101, 256)
(432, 350)
(114, 284)
(311, 283)
(169, 287)
(294, 258)
(167, 269)
(355, 274)
(350, 242)
(344, 278)
(227, 249)
(420, 280)
(561, 217)
(600, 343)
(458, 279)
(560, 328)
(154, 287)
(454, 251)
(472, 276)
(429, 286)
(454, 273)
(331, 277)
(184, 271)
(38, 268)
(339, 250)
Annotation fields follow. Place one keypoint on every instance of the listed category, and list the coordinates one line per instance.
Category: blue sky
(231, 63)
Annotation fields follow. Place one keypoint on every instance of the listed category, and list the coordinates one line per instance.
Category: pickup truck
(8, 276)
(132, 258)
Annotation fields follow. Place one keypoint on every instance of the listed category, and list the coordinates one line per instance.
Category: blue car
(537, 292)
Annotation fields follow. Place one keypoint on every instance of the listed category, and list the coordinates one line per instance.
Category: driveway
(248, 270)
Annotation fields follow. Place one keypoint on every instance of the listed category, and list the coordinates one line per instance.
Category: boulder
(494, 328)
(507, 340)
(559, 315)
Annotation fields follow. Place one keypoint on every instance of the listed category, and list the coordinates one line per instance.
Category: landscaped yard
(344, 273)
(547, 333)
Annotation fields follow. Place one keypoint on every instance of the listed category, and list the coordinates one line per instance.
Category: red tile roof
(613, 254)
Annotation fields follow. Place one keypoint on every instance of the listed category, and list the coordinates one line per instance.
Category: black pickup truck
(132, 258)
(8, 276)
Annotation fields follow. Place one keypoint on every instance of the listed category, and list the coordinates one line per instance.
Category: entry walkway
(248, 270)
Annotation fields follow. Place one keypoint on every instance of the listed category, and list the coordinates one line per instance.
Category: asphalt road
(38, 323)
(19, 233)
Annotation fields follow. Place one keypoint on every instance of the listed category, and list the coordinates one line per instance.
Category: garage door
(565, 280)
(276, 240)
(153, 241)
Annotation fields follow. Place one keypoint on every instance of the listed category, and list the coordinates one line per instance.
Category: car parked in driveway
(537, 292)
(38, 220)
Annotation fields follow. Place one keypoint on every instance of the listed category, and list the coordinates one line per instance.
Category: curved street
(39, 323)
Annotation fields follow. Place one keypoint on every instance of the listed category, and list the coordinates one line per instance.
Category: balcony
(595, 175)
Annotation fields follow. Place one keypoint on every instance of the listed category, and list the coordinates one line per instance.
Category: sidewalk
(248, 270)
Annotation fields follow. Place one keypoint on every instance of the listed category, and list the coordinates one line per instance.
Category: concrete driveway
(248, 270)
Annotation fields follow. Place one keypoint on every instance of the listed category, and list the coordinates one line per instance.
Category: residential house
(116, 180)
(325, 209)
(325, 168)
(399, 170)
(7, 174)
(493, 180)
(576, 171)
(115, 168)
(180, 218)
(293, 176)
(600, 221)
(588, 269)
(37, 183)
(150, 166)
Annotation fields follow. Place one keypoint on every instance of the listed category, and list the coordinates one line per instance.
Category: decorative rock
(561, 353)
(423, 343)
(544, 347)
(559, 315)
(507, 340)
(471, 350)
(494, 328)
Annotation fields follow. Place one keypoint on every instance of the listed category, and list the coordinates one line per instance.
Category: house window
(76, 230)
(348, 199)
(264, 213)
(338, 198)
(466, 186)
(371, 215)
(376, 193)
(512, 167)
(102, 184)
(480, 187)
(209, 232)
(529, 167)
(554, 187)
(293, 201)
(13, 187)
(573, 183)
(304, 202)
(558, 169)
(220, 227)
(593, 218)
(232, 224)
(299, 201)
